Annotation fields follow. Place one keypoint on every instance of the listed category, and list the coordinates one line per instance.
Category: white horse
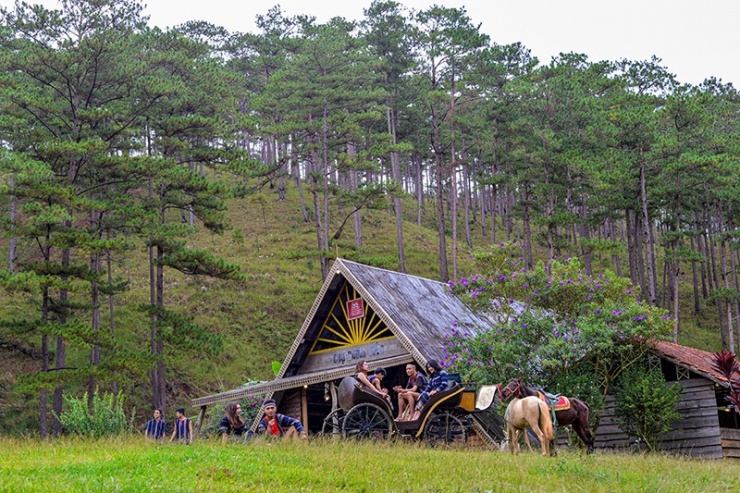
(529, 412)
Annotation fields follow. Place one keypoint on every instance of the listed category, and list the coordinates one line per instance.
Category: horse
(529, 412)
(576, 416)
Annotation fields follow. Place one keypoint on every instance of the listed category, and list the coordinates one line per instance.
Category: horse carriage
(444, 418)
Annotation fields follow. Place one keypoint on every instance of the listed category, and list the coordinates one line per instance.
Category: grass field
(128, 464)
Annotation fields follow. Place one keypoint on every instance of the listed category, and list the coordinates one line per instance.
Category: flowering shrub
(562, 325)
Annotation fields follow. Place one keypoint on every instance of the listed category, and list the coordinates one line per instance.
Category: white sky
(695, 39)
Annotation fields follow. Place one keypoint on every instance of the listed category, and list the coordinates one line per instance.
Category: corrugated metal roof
(696, 360)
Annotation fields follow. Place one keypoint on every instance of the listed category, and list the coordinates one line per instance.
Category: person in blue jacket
(437, 381)
(276, 424)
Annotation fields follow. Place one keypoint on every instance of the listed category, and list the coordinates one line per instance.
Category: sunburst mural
(350, 322)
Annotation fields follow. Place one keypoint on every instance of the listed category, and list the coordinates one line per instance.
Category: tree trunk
(466, 205)
(527, 228)
(325, 203)
(43, 411)
(296, 170)
(715, 282)
(353, 183)
(111, 313)
(631, 247)
(694, 279)
(396, 175)
(13, 244)
(649, 243)
(95, 217)
(419, 188)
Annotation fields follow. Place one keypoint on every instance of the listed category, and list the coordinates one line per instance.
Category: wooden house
(391, 319)
(708, 428)
(362, 313)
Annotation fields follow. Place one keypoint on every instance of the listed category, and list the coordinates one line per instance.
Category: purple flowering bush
(562, 326)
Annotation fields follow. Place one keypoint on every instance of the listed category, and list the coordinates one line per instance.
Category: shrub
(645, 404)
(107, 416)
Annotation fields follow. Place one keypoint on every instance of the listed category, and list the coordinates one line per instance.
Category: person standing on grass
(276, 424)
(155, 427)
(232, 423)
(183, 431)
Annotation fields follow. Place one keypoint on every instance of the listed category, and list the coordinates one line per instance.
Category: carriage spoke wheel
(445, 428)
(332, 425)
(367, 421)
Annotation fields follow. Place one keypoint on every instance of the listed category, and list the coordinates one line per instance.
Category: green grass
(128, 464)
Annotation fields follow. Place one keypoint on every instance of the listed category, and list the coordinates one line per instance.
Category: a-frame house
(362, 312)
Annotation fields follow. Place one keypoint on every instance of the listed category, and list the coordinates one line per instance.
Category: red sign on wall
(355, 309)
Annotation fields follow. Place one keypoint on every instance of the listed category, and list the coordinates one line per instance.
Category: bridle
(507, 393)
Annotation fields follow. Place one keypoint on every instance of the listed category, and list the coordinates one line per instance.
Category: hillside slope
(257, 318)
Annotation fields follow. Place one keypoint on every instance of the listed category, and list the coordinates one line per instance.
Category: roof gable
(419, 312)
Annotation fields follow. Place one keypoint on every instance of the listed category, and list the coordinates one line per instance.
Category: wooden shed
(709, 428)
(362, 312)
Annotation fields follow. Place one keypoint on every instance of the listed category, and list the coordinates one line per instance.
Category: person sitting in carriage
(437, 381)
(407, 396)
(371, 383)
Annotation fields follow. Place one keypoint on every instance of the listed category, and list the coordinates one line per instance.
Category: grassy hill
(258, 318)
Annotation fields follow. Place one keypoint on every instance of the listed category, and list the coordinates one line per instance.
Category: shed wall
(696, 435)
(730, 442)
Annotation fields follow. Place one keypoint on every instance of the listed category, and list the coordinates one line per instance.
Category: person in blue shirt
(155, 427)
(279, 425)
(437, 381)
(232, 424)
(183, 431)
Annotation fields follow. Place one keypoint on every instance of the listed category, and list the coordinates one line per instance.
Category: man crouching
(276, 424)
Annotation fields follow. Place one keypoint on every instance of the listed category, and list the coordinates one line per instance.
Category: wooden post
(304, 408)
(199, 421)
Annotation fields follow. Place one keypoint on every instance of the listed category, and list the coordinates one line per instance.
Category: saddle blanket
(561, 404)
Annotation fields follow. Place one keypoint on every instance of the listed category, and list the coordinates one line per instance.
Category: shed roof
(696, 360)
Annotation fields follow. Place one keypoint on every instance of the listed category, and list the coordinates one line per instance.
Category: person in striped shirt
(155, 427)
(276, 424)
(183, 431)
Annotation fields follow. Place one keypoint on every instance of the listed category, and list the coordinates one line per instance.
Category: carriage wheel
(445, 428)
(332, 425)
(367, 421)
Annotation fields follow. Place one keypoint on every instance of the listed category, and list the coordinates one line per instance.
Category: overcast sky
(695, 39)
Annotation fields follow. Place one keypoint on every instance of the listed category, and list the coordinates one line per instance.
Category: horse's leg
(526, 438)
(541, 435)
(585, 435)
(580, 426)
(513, 439)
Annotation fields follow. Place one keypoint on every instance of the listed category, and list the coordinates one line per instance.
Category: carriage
(445, 418)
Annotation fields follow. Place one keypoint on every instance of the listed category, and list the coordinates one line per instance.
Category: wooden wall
(696, 435)
(730, 442)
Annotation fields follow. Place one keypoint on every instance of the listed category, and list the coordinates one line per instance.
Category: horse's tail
(545, 420)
